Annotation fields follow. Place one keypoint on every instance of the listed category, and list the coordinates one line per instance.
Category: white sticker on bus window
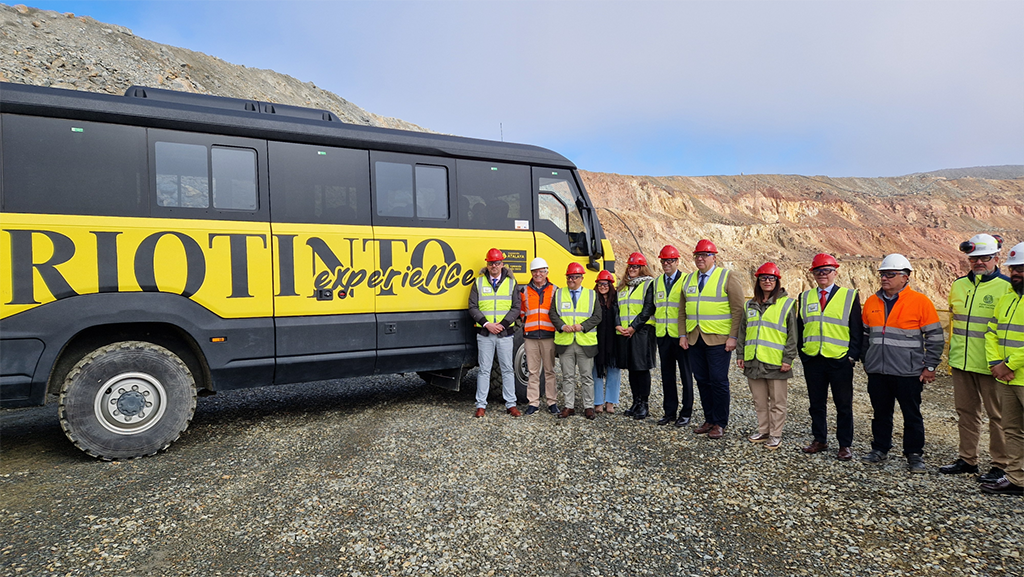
(522, 225)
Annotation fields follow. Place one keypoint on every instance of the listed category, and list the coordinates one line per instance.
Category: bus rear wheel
(127, 399)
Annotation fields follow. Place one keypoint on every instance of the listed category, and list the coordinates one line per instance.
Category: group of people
(693, 322)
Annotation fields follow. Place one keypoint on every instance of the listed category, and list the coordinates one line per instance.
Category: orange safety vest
(908, 341)
(536, 309)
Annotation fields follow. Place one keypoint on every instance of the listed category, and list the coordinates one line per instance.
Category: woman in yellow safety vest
(765, 352)
(637, 341)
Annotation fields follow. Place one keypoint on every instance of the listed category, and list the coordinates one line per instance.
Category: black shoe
(530, 410)
(641, 411)
(915, 463)
(993, 475)
(958, 467)
(875, 456)
(632, 409)
(682, 421)
(1002, 487)
(553, 409)
(666, 420)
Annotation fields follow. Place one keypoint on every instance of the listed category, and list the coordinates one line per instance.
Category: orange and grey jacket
(536, 304)
(906, 340)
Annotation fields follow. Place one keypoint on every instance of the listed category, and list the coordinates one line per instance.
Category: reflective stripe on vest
(827, 333)
(538, 309)
(766, 334)
(631, 306)
(666, 307)
(708, 308)
(972, 306)
(494, 304)
(575, 315)
(1006, 335)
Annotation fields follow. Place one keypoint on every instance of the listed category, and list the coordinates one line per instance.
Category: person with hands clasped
(637, 343)
(904, 342)
(575, 313)
(766, 352)
(494, 307)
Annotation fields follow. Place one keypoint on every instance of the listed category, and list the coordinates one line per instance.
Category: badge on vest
(487, 290)
(813, 307)
(660, 295)
(691, 290)
(566, 306)
(751, 314)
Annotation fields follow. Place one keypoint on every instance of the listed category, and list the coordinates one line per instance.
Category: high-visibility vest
(973, 304)
(708, 308)
(766, 333)
(1004, 338)
(631, 306)
(575, 315)
(666, 307)
(827, 333)
(494, 304)
(537, 307)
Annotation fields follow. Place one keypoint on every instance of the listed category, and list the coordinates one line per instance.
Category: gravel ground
(387, 476)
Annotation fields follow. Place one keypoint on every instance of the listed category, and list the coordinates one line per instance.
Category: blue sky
(837, 88)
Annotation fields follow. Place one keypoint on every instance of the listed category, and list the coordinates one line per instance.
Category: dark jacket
(588, 325)
(856, 331)
(638, 353)
(607, 338)
(478, 317)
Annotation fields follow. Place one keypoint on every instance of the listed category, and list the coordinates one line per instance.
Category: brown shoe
(815, 447)
(703, 428)
(589, 413)
(514, 411)
(479, 413)
(598, 408)
(845, 454)
(716, 432)
(566, 413)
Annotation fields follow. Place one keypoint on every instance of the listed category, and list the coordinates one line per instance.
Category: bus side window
(558, 214)
(493, 196)
(412, 190)
(319, 184)
(234, 178)
(182, 175)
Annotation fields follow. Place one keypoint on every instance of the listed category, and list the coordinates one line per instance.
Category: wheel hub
(130, 403)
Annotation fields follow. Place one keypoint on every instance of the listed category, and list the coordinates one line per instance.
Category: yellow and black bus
(161, 243)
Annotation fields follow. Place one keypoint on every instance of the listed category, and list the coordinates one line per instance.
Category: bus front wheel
(127, 399)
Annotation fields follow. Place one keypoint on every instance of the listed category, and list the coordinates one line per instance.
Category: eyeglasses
(496, 263)
(574, 277)
(767, 278)
(603, 283)
(634, 267)
(889, 273)
(703, 254)
(1016, 267)
(985, 258)
(539, 271)
(823, 271)
(669, 260)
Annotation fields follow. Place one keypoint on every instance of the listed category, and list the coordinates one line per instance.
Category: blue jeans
(606, 389)
(486, 347)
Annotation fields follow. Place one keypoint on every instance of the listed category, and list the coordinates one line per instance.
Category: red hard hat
(705, 245)
(769, 268)
(823, 259)
(574, 268)
(669, 251)
(494, 255)
(606, 275)
(637, 258)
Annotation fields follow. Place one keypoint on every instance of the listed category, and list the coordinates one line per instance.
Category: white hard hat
(538, 263)
(1016, 255)
(980, 245)
(895, 261)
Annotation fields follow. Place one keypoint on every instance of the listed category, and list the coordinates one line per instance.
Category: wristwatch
(932, 369)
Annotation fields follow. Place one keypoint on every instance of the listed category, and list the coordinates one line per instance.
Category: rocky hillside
(752, 218)
(45, 48)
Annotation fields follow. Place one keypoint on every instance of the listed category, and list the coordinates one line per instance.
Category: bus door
(562, 234)
(324, 256)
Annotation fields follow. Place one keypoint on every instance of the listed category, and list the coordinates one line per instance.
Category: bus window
(431, 192)
(182, 175)
(558, 213)
(394, 189)
(57, 166)
(494, 196)
(319, 184)
(234, 178)
(411, 190)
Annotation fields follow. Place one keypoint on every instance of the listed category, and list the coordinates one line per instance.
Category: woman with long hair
(637, 340)
(765, 351)
(607, 374)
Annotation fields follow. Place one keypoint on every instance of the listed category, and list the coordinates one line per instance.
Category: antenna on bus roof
(501, 131)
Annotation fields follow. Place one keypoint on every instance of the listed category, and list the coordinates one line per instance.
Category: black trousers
(672, 355)
(885, 391)
(640, 385)
(821, 373)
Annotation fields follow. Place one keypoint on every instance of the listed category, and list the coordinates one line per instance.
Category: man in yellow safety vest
(575, 313)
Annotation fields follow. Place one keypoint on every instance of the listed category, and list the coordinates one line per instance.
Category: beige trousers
(770, 403)
(1012, 398)
(971, 393)
(575, 361)
(540, 353)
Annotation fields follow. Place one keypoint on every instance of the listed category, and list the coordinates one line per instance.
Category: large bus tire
(127, 399)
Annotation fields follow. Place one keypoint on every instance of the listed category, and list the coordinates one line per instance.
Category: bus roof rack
(225, 103)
